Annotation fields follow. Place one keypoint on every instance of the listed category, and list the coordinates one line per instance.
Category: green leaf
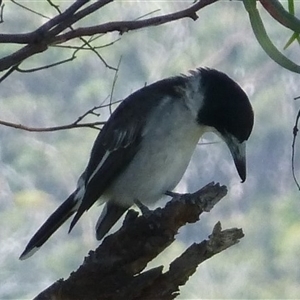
(278, 12)
(264, 40)
(291, 7)
(295, 36)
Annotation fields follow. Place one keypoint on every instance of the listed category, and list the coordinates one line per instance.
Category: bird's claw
(173, 194)
(142, 207)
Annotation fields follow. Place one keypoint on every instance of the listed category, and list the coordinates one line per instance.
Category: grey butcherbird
(146, 145)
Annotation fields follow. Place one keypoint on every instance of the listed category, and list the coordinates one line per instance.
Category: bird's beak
(238, 152)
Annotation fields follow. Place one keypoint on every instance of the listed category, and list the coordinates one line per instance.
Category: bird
(143, 150)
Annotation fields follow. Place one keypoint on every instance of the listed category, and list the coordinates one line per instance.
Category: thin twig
(29, 9)
(295, 132)
(53, 5)
(46, 66)
(207, 143)
(54, 128)
(148, 14)
(75, 124)
(12, 69)
(50, 33)
(85, 42)
(125, 26)
(89, 112)
(87, 48)
(74, 16)
(61, 20)
(1, 12)
(114, 84)
(50, 65)
(98, 54)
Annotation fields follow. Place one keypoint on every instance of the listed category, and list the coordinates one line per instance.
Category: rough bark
(115, 269)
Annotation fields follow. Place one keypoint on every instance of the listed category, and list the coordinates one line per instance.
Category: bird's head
(226, 108)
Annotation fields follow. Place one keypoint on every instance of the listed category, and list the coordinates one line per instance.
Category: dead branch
(115, 269)
(1, 12)
(59, 29)
(125, 26)
(295, 133)
(51, 128)
(75, 124)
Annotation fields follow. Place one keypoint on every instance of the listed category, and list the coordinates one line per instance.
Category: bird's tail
(63, 212)
(111, 213)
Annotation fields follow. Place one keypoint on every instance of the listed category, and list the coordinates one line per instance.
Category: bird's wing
(120, 138)
(114, 148)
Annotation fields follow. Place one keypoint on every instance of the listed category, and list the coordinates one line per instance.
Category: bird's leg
(142, 207)
(173, 194)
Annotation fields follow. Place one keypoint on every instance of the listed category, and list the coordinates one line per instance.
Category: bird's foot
(173, 194)
(142, 207)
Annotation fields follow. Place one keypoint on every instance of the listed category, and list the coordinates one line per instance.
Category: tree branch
(1, 12)
(125, 26)
(50, 33)
(52, 128)
(115, 269)
(295, 133)
(75, 124)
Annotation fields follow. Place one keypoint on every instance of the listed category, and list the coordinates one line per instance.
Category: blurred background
(39, 170)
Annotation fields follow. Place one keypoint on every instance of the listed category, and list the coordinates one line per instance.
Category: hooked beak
(238, 152)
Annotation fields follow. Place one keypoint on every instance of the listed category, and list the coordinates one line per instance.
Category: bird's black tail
(111, 213)
(63, 212)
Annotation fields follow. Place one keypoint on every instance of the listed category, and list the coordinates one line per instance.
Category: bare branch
(62, 18)
(47, 66)
(88, 48)
(89, 112)
(29, 9)
(37, 40)
(20, 55)
(1, 12)
(78, 16)
(54, 128)
(75, 124)
(50, 33)
(114, 271)
(85, 42)
(12, 69)
(125, 26)
(113, 85)
(295, 133)
(148, 14)
(53, 5)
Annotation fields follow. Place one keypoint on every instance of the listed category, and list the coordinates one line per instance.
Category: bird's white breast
(169, 140)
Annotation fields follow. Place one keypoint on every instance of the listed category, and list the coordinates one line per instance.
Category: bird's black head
(226, 107)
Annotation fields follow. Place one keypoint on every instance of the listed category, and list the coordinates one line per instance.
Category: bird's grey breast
(168, 140)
